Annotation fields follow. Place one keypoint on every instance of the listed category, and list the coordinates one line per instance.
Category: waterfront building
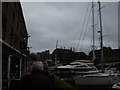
(14, 42)
(43, 56)
(67, 55)
(110, 55)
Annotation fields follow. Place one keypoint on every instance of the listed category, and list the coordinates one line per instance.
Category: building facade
(67, 55)
(110, 55)
(42, 56)
(14, 42)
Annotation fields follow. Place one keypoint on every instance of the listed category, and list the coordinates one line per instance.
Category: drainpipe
(8, 71)
(9, 60)
(20, 68)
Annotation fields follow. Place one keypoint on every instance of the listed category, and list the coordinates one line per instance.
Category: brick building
(67, 55)
(110, 55)
(45, 55)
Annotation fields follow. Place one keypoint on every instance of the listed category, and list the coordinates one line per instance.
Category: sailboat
(102, 78)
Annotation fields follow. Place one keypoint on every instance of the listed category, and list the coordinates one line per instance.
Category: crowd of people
(40, 77)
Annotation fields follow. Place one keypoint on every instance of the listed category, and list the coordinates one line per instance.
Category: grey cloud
(48, 22)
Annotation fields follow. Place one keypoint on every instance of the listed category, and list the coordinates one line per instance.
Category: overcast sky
(48, 22)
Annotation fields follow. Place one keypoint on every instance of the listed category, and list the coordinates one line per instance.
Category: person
(36, 79)
(47, 72)
(30, 69)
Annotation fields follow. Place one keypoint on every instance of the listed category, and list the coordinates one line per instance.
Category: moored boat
(76, 68)
(97, 79)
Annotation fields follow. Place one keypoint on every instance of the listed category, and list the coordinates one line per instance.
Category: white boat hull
(96, 80)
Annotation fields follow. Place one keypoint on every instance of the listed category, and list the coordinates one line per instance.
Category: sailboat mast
(101, 36)
(57, 44)
(93, 31)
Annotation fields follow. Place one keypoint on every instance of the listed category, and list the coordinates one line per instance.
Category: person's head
(38, 65)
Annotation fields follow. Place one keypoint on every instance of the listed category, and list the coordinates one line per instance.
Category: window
(4, 23)
(11, 37)
(5, 5)
(13, 17)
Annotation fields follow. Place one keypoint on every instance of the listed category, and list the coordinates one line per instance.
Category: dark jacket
(36, 80)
